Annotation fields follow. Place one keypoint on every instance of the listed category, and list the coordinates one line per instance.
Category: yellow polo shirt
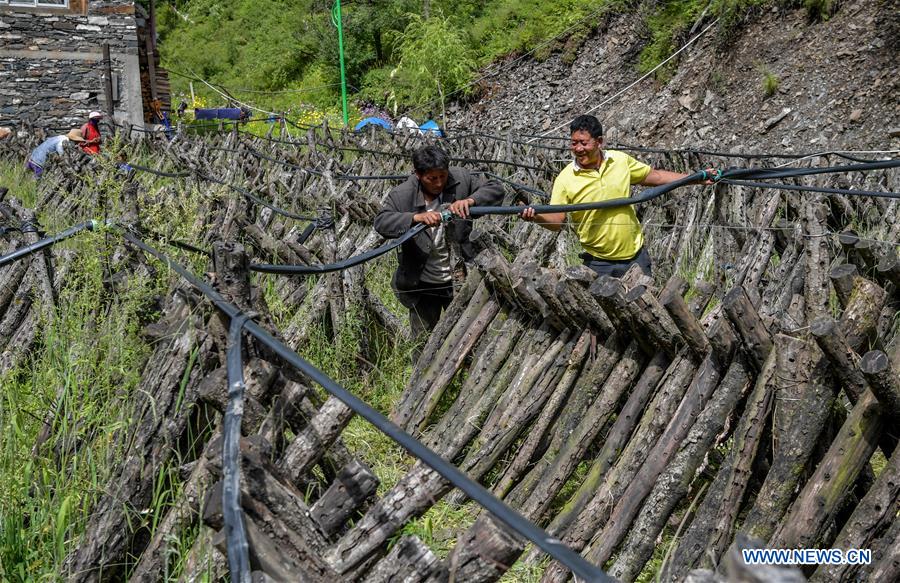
(613, 233)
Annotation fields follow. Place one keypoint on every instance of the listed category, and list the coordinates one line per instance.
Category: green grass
(80, 375)
(83, 374)
(770, 83)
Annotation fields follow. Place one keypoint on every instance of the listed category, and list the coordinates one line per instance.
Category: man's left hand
(460, 208)
(710, 172)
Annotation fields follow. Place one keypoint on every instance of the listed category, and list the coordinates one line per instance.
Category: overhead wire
(650, 72)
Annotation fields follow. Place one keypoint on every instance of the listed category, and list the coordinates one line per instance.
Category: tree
(434, 61)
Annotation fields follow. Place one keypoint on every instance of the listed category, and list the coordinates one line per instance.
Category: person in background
(54, 145)
(423, 281)
(612, 238)
(91, 133)
(5, 133)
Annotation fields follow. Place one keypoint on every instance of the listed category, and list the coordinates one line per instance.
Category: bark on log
(844, 361)
(843, 278)
(449, 359)
(820, 499)
(283, 539)
(817, 260)
(572, 440)
(686, 322)
(308, 447)
(866, 250)
(651, 317)
(872, 516)
(163, 416)
(489, 376)
(672, 485)
(519, 406)
(888, 268)
(711, 529)
(559, 398)
(613, 446)
(883, 380)
(286, 411)
(484, 552)
(352, 488)
(804, 393)
(411, 497)
(888, 568)
(451, 328)
(603, 492)
(657, 459)
(860, 318)
(410, 561)
(748, 324)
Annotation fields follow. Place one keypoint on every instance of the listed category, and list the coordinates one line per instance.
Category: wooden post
(107, 82)
(151, 67)
(748, 324)
(883, 380)
(843, 278)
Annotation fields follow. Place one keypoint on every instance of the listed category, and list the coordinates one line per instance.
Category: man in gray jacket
(423, 281)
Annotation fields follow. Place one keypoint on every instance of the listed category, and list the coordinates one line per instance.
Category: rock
(774, 120)
(856, 114)
(79, 96)
(894, 132)
(687, 102)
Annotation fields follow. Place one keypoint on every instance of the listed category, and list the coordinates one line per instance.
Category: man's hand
(460, 208)
(550, 221)
(430, 218)
(712, 172)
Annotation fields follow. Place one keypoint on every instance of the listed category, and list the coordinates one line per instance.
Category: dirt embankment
(833, 85)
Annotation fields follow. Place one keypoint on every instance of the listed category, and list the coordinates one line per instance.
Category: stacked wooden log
(753, 394)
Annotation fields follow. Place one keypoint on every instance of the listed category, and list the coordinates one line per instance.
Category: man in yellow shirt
(612, 238)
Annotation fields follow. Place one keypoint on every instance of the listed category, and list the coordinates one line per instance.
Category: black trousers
(425, 304)
(618, 268)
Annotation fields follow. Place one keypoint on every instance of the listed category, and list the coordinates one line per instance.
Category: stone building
(52, 66)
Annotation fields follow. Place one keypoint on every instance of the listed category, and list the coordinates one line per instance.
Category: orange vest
(89, 132)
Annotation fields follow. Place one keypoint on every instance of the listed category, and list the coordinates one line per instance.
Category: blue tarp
(377, 121)
(431, 126)
(220, 113)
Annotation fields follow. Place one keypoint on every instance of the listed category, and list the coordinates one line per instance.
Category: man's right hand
(430, 218)
(527, 214)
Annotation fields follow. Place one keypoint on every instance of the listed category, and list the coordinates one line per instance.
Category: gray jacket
(407, 199)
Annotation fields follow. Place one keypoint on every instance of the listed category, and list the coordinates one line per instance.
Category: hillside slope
(836, 82)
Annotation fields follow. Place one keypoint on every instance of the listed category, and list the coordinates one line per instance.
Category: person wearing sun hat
(54, 145)
(91, 133)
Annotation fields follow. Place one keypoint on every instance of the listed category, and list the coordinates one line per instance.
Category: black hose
(160, 172)
(232, 514)
(647, 195)
(44, 243)
(258, 200)
(824, 190)
(769, 173)
(308, 231)
(518, 523)
(340, 265)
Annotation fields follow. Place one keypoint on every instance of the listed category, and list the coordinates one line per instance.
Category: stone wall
(51, 64)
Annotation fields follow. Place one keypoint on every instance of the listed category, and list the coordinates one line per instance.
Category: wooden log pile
(750, 400)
